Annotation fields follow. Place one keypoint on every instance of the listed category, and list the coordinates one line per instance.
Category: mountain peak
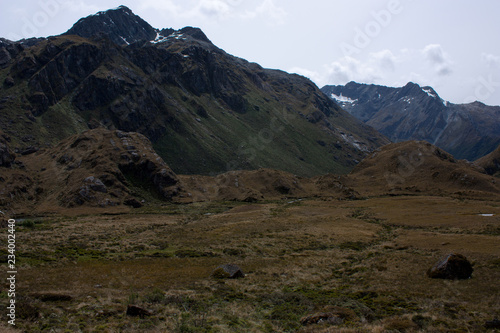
(121, 25)
(415, 112)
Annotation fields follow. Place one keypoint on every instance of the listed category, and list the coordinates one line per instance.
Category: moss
(189, 253)
(155, 296)
(355, 246)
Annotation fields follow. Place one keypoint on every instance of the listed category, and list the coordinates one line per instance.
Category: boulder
(320, 318)
(228, 271)
(492, 324)
(453, 266)
(136, 311)
(7, 157)
(132, 202)
(52, 297)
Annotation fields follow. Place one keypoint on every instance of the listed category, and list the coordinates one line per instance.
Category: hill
(98, 168)
(491, 162)
(419, 167)
(205, 111)
(112, 171)
(467, 131)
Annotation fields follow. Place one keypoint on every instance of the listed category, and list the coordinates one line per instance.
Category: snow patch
(349, 138)
(429, 92)
(343, 99)
(161, 39)
(126, 42)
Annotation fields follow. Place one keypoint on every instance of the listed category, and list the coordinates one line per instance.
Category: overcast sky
(451, 45)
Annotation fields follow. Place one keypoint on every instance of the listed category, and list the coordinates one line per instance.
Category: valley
(364, 260)
(152, 182)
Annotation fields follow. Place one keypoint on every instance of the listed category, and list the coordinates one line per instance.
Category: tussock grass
(367, 258)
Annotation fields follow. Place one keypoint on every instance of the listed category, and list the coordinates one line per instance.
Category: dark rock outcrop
(7, 157)
(136, 311)
(120, 25)
(492, 324)
(228, 271)
(98, 168)
(119, 161)
(452, 267)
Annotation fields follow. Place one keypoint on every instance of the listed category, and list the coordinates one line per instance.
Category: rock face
(120, 25)
(228, 271)
(98, 168)
(452, 267)
(116, 161)
(7, 157)
(204, 110)
(467, 131)
(136, 311)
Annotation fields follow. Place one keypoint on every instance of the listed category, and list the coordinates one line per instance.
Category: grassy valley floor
(364, 260)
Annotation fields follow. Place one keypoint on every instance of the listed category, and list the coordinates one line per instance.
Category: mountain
(115, 170)
(204, 111)
(468, 131)
(415, 167)
(121, 25)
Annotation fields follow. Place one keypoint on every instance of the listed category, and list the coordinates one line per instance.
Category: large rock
(453, 266)
(228, 271)
(492, 324)
(6, 155)
(136, 311)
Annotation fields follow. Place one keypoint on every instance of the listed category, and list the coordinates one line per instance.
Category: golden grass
(369, 256)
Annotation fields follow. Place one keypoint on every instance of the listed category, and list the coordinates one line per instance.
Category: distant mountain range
(205, 111)
(467, 131)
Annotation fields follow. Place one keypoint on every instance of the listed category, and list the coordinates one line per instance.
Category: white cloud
(218, 9)
(385, 59)
(276, 15)
(440, 61)
(348, 69)
(314, 76)
(194, 9)
(79, 6)
(491, 60)
(164, 6)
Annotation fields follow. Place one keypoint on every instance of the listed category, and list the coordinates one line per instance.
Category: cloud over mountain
(434, 54)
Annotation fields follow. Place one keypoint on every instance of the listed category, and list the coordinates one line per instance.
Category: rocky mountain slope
(99, 168)
(115, 171)
(204, 110)
(468, 131)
